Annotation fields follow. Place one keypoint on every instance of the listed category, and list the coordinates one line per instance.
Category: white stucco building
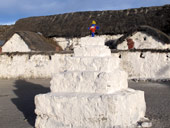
(145, 37)
(25, 41)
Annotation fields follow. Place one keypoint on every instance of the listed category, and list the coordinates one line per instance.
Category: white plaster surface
(62, 42)
(147, 65)
(150, 66)
(89, 110)
(15, 44)
(90, 99)
(66, 43)
(144, 41)
(93, 50)
(107, 64)
(30, 66)
(70, 43)
(89, 41)
(89, 82)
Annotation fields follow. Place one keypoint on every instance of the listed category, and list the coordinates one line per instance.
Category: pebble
(146, 124)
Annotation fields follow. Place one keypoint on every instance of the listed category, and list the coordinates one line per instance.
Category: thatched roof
(37, 42)
(110, 22)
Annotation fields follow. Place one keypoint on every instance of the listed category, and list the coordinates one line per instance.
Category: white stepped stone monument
(91, 93)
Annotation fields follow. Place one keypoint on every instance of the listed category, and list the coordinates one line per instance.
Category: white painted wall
(149, 66)
(69, 43)
(146, 65)
(26, 66)
(15, 44)
(143, 41)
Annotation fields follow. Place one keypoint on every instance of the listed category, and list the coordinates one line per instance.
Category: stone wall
(148, 64)
(139, 64)
(25, 65)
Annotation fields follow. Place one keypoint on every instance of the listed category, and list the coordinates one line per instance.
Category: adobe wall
(139, 64)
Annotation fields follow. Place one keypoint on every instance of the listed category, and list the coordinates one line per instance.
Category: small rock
(139, 126)
(146, 124)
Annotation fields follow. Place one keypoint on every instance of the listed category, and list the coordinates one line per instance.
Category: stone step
(81, 110)
(98, 51)
(84, 41)
(89, 81)
(106, 64)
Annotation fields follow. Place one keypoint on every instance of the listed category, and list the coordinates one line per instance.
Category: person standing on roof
(93, 28)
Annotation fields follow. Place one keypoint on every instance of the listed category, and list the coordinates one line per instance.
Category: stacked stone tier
(92, 92)
(92, 41)
(89, 81)
(94, 50)
(90, 110)
(100, 64)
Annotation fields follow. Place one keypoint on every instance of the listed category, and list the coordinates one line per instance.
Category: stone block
(92, 110)
(97, 51)
(89, 81)
(85, 41)
(102, 64)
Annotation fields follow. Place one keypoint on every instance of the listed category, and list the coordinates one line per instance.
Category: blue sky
(12, 10)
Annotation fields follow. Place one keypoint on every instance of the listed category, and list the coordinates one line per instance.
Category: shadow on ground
(167, 83)
(26, 92)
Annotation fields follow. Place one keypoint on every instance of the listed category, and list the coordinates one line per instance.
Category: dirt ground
(17, 101)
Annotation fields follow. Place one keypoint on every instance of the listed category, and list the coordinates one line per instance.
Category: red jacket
(93, 29)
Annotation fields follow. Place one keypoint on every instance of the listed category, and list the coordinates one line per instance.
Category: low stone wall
(25, 65)
(147, 64)
(140, 64)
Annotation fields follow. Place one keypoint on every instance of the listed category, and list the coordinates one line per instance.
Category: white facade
(144, 41)
(15, 44)
(30, 66)
(146, 65)
(138, 65)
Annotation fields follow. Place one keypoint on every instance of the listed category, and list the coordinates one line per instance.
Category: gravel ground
(157, 96)
(17, 101)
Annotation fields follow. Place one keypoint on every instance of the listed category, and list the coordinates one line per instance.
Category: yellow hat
(93, 22)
